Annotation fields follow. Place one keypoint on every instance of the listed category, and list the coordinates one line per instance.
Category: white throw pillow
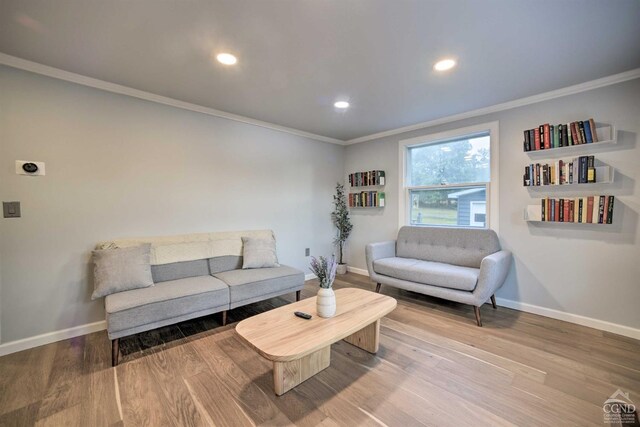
(121, 269)
(259, 253)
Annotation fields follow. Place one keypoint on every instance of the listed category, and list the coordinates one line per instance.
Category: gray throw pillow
(259, 253)
(121, 269)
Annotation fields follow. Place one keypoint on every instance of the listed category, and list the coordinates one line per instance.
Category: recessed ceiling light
(341, 104)
(226, 58)
(444, 65)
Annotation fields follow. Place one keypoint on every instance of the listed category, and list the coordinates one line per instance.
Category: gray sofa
(462, 265)
(190, 288)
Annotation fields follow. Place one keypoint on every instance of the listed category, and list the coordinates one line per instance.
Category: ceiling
(296, 57)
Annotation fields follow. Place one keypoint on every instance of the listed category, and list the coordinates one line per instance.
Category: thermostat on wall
(25, 167)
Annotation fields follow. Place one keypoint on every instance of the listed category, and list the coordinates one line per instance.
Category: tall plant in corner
(340, 218)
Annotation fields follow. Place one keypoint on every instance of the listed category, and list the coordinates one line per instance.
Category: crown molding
(45, 70)
(558, 93)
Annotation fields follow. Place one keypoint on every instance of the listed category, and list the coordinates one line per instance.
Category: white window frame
(492, 128)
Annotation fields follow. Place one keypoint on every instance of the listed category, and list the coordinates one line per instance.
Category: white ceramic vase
(326, 302)
(342, 269)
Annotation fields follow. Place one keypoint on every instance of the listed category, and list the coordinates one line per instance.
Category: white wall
(118, 166)
(590, 271)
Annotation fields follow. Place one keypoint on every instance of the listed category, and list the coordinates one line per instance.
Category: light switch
(11, 209)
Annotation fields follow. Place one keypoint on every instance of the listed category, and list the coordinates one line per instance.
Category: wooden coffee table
(301, 348)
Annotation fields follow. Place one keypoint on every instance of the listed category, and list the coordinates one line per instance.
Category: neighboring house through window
(447, 178)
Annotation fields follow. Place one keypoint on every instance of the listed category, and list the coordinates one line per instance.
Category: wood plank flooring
(434, 367)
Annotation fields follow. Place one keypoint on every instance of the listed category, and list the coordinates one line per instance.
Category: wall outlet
(21, 169)
(11, 209)
(307, 252)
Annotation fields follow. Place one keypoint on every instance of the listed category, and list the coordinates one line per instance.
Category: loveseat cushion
(464, 247)
(247, 286)
(165, 300)
(428, 272)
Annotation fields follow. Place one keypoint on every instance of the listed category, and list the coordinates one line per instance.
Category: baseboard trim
(63, 334)
(50, 337)
(590, 322)
(359, 271)
(577, 319)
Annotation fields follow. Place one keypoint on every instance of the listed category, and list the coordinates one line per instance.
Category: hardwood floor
(434, 367)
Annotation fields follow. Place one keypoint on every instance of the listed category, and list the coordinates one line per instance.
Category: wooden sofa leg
(477, 312)
(298, 295)
(115, 352)
(378, 287)
(224, 318)
(493, 301)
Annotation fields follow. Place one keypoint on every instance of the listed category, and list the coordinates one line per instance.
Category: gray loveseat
(194, 275)
(462, 265)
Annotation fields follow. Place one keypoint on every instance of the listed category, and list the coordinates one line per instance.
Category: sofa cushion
(428, 272)
(224, 263)
(179, 270)
(165, 300)
(253, 284)
(463, 247)
(121, 269)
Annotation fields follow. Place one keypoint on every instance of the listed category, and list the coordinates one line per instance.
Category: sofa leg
(493, 301)
(298, 295)
(476, 310)
(378, 287)
(224, 318)
(115, 352)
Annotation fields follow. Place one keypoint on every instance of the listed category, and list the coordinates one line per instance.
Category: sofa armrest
(379, 250)
(493, 272)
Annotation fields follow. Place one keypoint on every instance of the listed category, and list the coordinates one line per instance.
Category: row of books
(366, 199)
(364, 179)
(580, 170)
(548, 136)
(591, 209)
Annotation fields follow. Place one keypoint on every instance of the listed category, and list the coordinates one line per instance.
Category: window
(448, 177)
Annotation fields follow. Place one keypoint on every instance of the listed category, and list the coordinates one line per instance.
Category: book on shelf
(582, 134)
(587, 210)
(587, 132)
(565, 136)
(547, 136)
(367, 178)
(578, 170)
(366, 199)
(594, 132)
(609, 208)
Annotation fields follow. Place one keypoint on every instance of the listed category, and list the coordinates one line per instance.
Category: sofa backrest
(458, 246)
(190, 255)
(179, 270)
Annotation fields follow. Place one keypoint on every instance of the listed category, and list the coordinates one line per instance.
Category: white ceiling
(296, 57)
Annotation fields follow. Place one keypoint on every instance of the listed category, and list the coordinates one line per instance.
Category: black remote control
(303, 315)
